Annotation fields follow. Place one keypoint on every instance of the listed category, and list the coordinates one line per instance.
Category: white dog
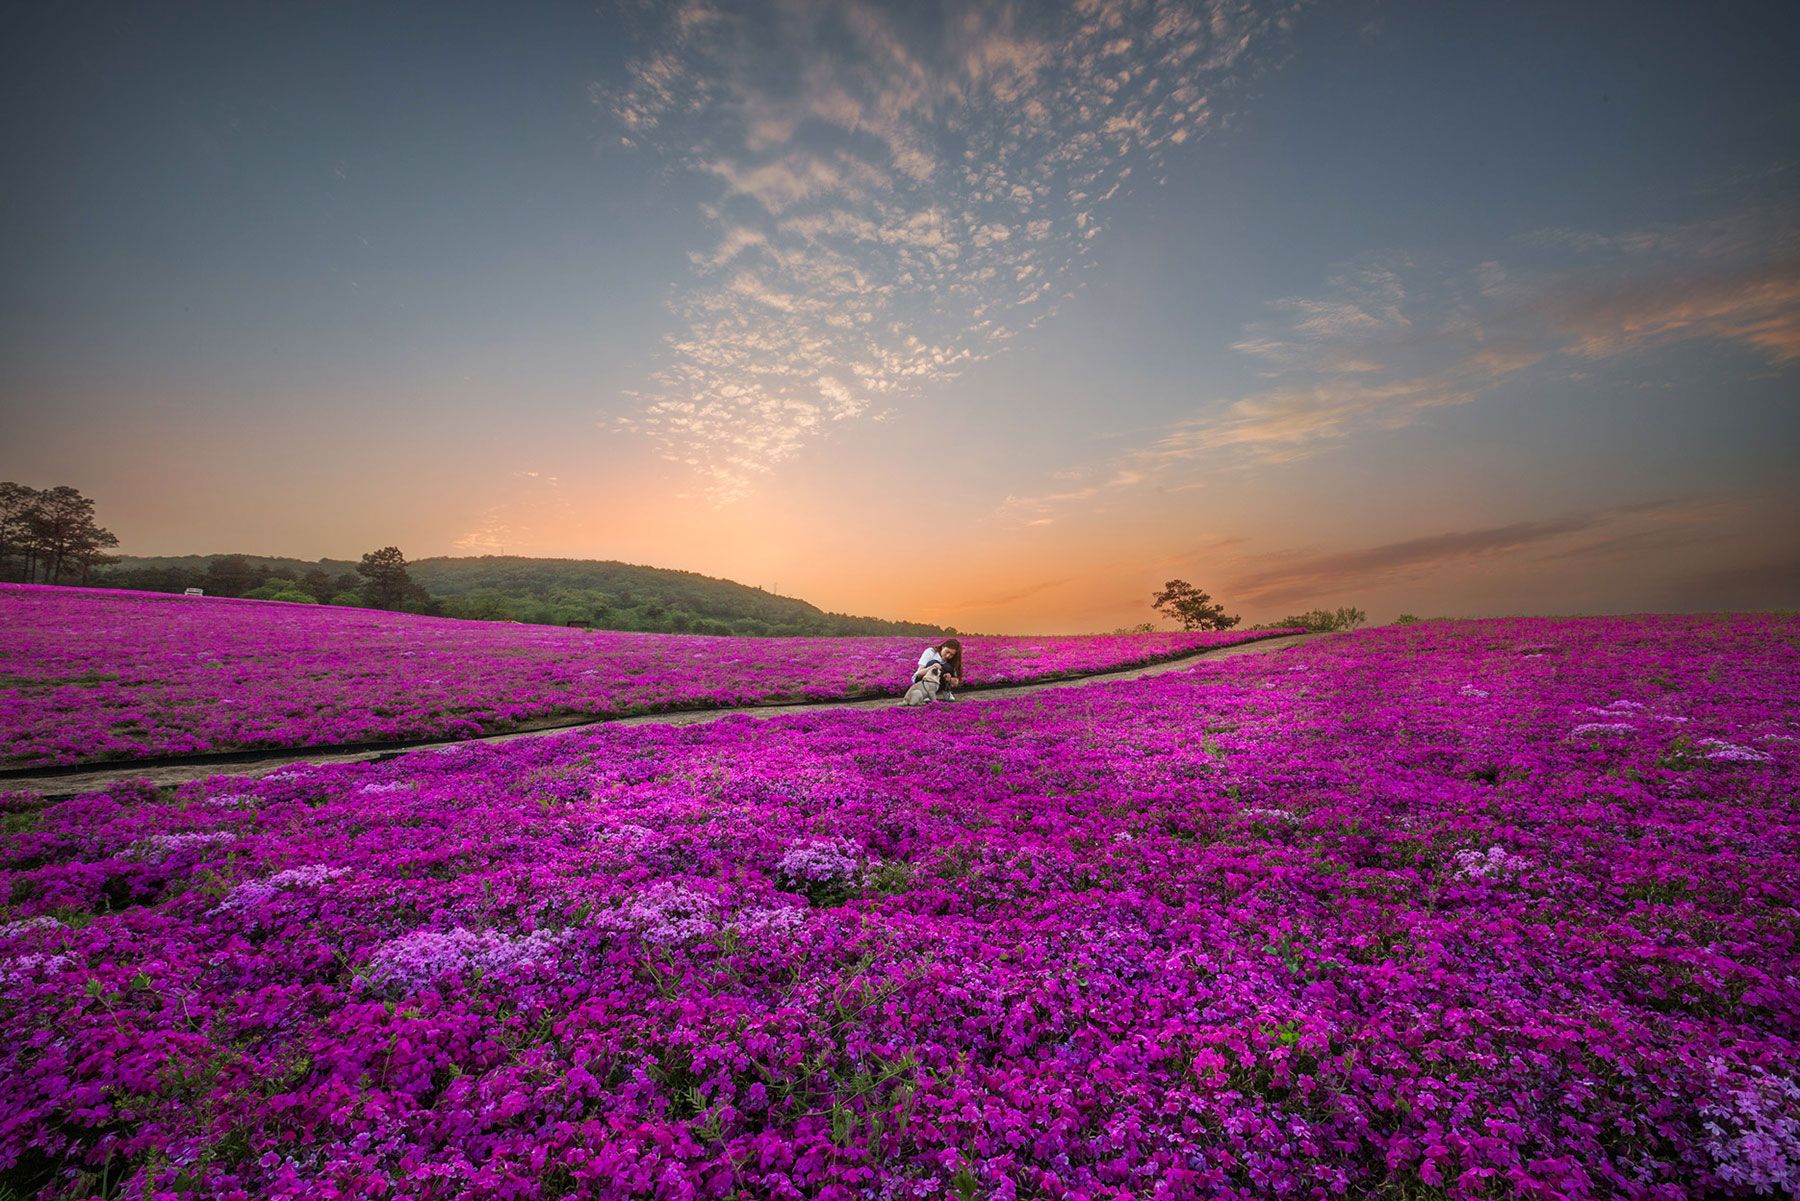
(925, 688)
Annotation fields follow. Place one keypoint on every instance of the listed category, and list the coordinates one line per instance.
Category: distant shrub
(347, 599)
(1320, 621)
(1142, 627)
(480, 604)
(280, 588)
(269, 587)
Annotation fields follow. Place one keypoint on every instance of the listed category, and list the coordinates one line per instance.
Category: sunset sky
(985, 314)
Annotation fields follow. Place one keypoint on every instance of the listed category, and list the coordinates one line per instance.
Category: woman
(948, 656)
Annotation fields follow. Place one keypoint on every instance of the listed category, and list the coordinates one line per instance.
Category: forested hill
(630, 586)
(603, 593)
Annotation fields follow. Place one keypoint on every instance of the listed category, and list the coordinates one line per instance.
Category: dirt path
(52, 786)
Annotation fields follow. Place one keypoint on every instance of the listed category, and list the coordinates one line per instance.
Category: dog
(925, 689)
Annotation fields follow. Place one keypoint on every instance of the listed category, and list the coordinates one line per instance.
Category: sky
(992, 315)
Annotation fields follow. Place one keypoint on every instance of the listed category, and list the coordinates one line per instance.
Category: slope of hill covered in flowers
(1475, 909)
(89, 675)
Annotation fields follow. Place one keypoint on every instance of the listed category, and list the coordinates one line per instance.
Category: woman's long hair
(950, 651)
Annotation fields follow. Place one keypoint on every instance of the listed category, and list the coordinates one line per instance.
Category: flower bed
(88, 675)
(1387, 915)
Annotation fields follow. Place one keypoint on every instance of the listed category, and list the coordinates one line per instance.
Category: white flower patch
(161, 846)
(1720, 751)
(781, 919)
(20, 969)
(666, 912)
(257, 892)
(27, 925)
(628, 836)
(1603, 729)
(822, 861)
(1280, 816)
(234, 800)
(1474, 693)
(1753, 1128)
(1495, 863)
(389, 786)
(427, 955)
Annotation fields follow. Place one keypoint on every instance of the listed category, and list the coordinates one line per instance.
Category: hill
(604, 593)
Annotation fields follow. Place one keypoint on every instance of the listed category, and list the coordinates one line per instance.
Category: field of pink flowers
(90, 675)
(1467, 909)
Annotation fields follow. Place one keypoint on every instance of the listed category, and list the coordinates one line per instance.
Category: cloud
(1307, 578)
(1759, 308)
(1363, 302)
(1025, 593)
(1306, 575)
(531, 506)
(1282, 424)
(900, 190)
(1390, 338)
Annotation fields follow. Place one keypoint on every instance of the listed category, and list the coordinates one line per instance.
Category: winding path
(55, 784)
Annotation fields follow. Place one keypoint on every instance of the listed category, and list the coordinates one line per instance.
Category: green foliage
(1320, 621)
(233, 575)
(624, 596)
(1142, 627)
(318, 584)
(1192, 607)
(388, 583)
(278, 588)
(49, 535)
(483, 604)
(605, 595)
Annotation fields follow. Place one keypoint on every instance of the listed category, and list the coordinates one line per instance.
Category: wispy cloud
(1307, 577)
(532, 503)
(1390, 338)
(1758, 307)
(1362, 304)
(901, 190)
(1015, 596)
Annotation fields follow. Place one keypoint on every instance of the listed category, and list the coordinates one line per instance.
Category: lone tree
(1191, 607)
(388, 585)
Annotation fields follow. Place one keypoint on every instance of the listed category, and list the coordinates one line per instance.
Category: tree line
(379, 581)
(49, 536)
